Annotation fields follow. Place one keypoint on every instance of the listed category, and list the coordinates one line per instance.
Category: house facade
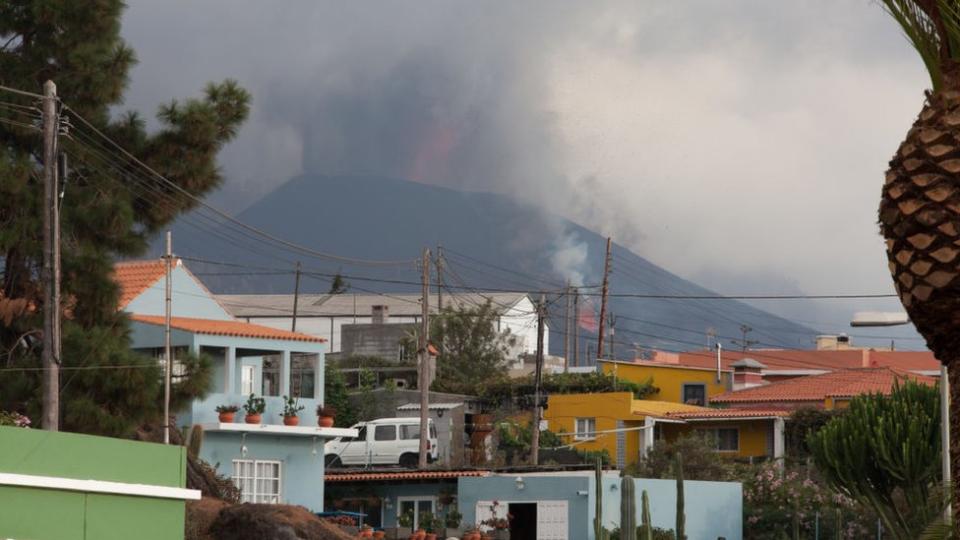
(627, 428)
(326, 316)
(692, 385)
(269, 461)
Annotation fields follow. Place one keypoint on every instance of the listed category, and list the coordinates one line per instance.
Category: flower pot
(379, 534)
(486, 536)
(226, 417)
(325, 421)
(252, 419)
(291, 420)
(420, 534)
(366, 533)
(431, 536)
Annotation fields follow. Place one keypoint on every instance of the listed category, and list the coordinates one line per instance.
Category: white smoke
(569, 258)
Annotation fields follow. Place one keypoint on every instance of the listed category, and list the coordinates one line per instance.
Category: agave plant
(920, 203)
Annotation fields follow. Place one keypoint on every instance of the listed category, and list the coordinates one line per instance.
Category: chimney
(839, 342)
(747, 373)
(379, 314)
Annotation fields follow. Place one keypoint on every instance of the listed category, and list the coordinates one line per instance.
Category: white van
(384, 441)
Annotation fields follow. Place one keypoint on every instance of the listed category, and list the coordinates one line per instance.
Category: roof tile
(840, 383)
(226, 328)
(134, 277)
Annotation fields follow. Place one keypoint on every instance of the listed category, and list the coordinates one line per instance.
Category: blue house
(557, 505)
(270, 462)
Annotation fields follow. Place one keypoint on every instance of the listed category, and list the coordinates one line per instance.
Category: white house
(324, 315)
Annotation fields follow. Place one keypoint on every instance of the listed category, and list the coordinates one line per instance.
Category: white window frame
(251, 382)
(257, 497)
(416, 515)
(587, 434)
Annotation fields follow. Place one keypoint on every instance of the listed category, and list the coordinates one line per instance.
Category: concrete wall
(301, 472)
(573, 488)
(380, 340)
(712, 509)
(188, 298)
(451, 432)
(45, 513)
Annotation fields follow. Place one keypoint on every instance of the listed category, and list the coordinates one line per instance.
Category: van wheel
(333, 461)
(409, 461)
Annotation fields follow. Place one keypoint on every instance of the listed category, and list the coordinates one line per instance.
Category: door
(523, 524)
(415, 506)
(552, 520)
(383, 448)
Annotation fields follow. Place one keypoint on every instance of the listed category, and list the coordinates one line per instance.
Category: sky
(740, 144)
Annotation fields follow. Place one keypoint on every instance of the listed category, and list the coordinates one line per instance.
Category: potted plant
(254, 408)
(326, 415)
(405, 522)
(451, 521)
(366, 531)
(497, 527)
(428, 524)
(379, 534)
(472, 534)
(290, 409)
(227, 412)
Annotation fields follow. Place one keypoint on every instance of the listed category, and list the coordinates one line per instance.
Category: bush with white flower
(14, 419)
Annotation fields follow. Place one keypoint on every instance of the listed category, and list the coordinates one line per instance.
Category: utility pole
(566, 327)
(576, 327)
(613, 324)
(51, 308)
(166, 341)
(424, 373)
(538, 378)
(296, 300)
(603, 300)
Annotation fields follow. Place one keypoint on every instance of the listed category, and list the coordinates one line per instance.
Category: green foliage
(406, 519)
(335, 395)
(14, 419)
(255, 405)
(800, 425)
(646, 526)
(700, 459)
(452, 518)
(884, 452)
(338, 285)
(774, 496)
(291, 406)
(227, 408)
(513, 390)
(472, 352)
(680, 529)
(77, 44)
(933, 28)
(628, 508)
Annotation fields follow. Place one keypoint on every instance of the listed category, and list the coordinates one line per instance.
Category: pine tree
(77, 44)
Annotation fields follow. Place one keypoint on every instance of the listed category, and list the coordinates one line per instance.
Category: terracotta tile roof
(729, 413)
(681, 411)
(226, 328)
(800, 359)
(840, 383)
(134, 277)
(401, 475)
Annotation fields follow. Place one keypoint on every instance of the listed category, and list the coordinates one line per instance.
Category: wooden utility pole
(424, 372)
(51, 308)
(603, 301)
(538, 378)
(168, 368)
(296, 300)
(566, 327)
(439, 279)
(576, 327)
(610, 342)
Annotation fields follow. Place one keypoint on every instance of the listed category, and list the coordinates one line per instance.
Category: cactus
(681, 518)
(646, 528)
(195, 441)
(628, 509)
(598, 511)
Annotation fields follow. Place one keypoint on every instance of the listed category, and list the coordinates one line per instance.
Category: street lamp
(886, 318)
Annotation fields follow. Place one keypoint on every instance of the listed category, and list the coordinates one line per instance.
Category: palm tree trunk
(953, 374)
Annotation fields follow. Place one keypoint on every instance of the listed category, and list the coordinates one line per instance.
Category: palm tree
(920, 203)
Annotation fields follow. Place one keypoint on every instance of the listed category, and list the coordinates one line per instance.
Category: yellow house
(674, 383)
(627, 428)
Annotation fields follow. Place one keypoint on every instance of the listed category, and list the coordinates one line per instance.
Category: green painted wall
(41, 514)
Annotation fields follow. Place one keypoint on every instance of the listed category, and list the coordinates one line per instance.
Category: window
(385, 433)
(584, 429)
(415, 506)
(179, 370)
(695, 394)
(724, 439)
(411, 432)
(271, 376)
(302, 369)
(259, 481)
